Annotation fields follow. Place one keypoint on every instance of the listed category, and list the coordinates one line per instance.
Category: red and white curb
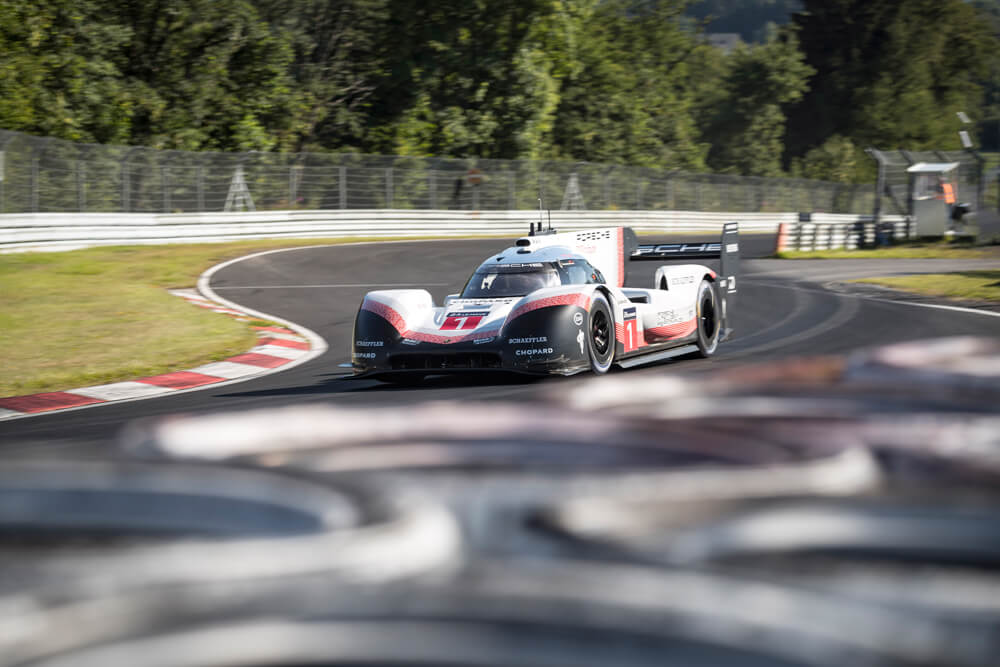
(278, 348)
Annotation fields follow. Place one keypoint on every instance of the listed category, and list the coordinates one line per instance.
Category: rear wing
(726, 250)
(608, 248)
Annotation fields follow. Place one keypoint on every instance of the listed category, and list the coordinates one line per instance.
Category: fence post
(36, 150)
(164, 184)
(607, 190)
(431, 190)
(200, 186)
(36, 156)
(126, 185)
(291, 186)
(388, 187)
(511, 191)
(342, 181)
(81, 200)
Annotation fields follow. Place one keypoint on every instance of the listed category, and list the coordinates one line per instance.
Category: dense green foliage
(894, 74)
(619, 81)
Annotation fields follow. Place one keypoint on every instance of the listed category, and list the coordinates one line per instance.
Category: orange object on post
(949, 193)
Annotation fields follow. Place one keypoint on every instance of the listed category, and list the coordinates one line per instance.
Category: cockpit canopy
(492, 281)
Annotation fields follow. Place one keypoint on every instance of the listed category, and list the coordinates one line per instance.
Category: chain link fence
(51, 175)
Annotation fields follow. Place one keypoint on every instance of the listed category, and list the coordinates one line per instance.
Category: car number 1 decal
(458, 322)
(631, 336)
(630, 329)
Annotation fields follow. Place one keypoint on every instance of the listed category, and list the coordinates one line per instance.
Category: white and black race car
(555, 303)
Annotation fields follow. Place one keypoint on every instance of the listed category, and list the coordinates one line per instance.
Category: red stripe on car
(581, 300)
(672, 331)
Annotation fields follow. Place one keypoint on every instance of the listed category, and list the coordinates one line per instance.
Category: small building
(933, 195)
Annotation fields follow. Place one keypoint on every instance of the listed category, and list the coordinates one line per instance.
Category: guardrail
(68, 231)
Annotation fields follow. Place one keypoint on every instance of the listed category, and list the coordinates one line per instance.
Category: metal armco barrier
(69, 231)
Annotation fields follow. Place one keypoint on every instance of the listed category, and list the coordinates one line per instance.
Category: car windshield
(501, 281)
(579, 272)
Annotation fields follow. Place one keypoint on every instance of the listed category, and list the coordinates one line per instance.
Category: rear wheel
(708, 319)
(600, 335)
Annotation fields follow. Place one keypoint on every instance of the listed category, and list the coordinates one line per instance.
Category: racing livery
(555, 303)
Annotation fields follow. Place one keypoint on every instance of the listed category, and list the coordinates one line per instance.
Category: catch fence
(40, 175)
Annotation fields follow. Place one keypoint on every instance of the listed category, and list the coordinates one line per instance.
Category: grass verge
(914, 250)
(968, 285)
(84, 317)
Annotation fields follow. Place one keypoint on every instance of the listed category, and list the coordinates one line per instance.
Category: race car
(555, 303)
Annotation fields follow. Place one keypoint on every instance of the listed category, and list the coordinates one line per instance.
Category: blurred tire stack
(822, 512)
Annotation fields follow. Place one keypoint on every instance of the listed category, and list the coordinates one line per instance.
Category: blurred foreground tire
(537, 614)
(76, 535)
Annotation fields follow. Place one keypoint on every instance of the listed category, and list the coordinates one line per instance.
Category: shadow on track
(342, 383)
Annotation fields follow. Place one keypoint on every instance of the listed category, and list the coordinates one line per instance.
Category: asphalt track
(785, 309)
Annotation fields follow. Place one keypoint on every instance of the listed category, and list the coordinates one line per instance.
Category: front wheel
(708, 319)
(600, 335)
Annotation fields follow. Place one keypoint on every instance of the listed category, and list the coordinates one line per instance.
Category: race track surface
(785, 309)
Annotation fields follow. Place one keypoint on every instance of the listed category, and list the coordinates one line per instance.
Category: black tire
(708, 313)
(600, 335)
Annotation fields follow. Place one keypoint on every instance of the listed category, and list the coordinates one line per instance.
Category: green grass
(914, 250)
(967, 285)
(84, 317)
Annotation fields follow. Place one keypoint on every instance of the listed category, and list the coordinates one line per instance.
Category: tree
(59, 71)
(837, 160)
(890, 73)
(185, 74)
(989, 123)
(630, 98)
(463, 78)
(338, 61)
(208, 74)
(746, 122)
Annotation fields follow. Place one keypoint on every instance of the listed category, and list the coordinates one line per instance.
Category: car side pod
(726, 250)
